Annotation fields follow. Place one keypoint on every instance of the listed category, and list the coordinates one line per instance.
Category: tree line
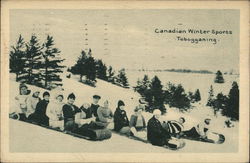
(228, 104)
(89, 68)
(36, 63)
(157, 96)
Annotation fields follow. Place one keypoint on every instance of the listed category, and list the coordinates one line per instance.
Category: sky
(127, 38)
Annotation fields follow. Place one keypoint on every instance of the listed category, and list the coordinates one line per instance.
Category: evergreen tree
(210, 100)
(176, 97)
(220, 102)
(52, 63)
(232, 109)
(33, 62)
(90, 65)
(197, 96)
(80, 66)
(101, 70)
(142, 85)
(122, 78)
(111, 74)
(17, 57)
(219, 77)
(155, 96)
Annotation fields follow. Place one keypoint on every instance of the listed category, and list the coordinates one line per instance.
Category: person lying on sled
(121, 122)
(202, 130)
(157, 135)
(69, 111)
(137, 122)
(104, 117)
(21, 103)
(54, 112)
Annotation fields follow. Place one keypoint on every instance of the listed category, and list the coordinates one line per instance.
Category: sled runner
(171, 147)
(220, 140)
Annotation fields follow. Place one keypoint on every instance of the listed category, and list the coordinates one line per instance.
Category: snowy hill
(117, 143)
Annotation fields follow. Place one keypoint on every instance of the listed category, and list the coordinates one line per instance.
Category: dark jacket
(69, 112)
(120, 119)
(87, 111)
(93, 109)
(40, 116)
(133, 120)
(156, 134)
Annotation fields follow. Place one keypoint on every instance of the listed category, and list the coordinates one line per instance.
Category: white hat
(157, 112)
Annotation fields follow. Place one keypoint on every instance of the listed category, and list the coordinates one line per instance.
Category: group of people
(69, 117)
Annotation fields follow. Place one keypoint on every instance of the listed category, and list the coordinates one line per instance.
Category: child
(105, 116)
(32, 102)
(121, 120)
(69, 111)
(21, 101)
(54, 112)
(94, 106)
(39, 115)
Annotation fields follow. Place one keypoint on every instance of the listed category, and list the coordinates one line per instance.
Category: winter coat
(31, 104)
(133, 121)
(156, 134)
(69, 112)
(54, 111)
(21, 101)
(103, 115)
(89, 112)
(40, 113)
(93, 110)
(120, 119)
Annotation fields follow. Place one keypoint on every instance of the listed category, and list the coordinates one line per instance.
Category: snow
(44, 140)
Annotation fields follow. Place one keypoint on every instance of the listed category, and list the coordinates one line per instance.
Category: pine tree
(155, 95)
(232, 109)
(52, 63)
(101, 70)
(80, 66)
(176, 97)
(33, 61)
(197, 95)
(219, 77)
(143, 85)
(17, 57)
(122, 78)
(210, 97)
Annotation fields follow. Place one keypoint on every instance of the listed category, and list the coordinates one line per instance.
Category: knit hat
(97, 97)
(46, 94)
(71, 95)
(22, 85)
(121, 103)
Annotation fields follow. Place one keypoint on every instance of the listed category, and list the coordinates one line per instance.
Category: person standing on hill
(104, 116)
(54, 112)
(94, 106)
(121, 123)
(39, 115)
(69, 111)
(32, 102)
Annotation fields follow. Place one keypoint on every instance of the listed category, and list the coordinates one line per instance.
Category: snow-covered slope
(37, 140)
